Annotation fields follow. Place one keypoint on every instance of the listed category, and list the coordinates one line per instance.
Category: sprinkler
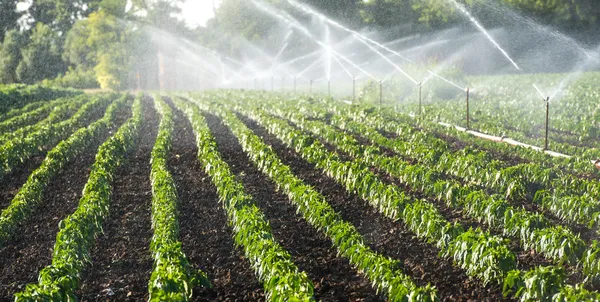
(547, 100)
(420, 98)
(311, 83)
(354, 89)
(329, 86)
(295, 78)
(468, 119)
(380, 94)
(272, 83)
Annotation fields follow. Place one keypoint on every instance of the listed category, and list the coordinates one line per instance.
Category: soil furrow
(23, 258)
(393, 239)
(333, 277)
(121, 258)
(205, 234)
(12, 183)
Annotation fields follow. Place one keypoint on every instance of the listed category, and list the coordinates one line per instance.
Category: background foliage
(102, 43)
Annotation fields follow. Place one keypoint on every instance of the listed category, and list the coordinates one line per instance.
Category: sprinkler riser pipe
(468, 117)
(420, 99)
(353, 89)
(547, 122)
(380, 94)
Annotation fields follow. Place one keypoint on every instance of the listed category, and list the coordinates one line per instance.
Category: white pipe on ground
(513, 142)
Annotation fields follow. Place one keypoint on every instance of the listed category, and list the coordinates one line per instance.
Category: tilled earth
(22, 258)
(122, 262)
(421, 261)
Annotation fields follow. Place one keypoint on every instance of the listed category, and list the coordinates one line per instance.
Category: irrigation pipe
(513, 142)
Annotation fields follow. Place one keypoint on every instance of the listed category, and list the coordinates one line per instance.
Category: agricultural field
(254, 195)
(510, 106)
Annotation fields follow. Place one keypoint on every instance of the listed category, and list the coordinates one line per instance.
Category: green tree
(112, 43)
(567, 13)
(77, 50)
(8, 16)
(10, 55)
(60, 15)
(389, 13)
(41, 58)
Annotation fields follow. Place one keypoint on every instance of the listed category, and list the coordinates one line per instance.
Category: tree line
(102, 43)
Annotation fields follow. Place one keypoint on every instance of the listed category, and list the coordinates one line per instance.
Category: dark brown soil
(526, 259)
(12, 183)
(23, 258)
(587, 234)
(311, 251)
(421, 260)
(205, 234)
(121, 259)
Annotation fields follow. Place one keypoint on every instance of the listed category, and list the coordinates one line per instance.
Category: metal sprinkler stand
(547, 100)
(311, 84)
(354, 89)
(468, 118)
(380, 94)
(420, 98)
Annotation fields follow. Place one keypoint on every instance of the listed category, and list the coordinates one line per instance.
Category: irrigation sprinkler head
(547, 100)
(467, 90)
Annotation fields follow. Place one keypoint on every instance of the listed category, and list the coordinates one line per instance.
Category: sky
(197, 12)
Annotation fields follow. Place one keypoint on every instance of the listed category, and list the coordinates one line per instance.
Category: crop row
(78, 231)
(384, 273)
(17, 96)
(509, 107)
(31, 193)
(29, 117)
(58, 114)
(574, 165)
(534, 230)
(20, 149)
(280, 277)
(172, 276)
(570, 198)
(479, 253)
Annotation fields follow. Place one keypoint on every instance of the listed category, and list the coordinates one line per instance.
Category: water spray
(365, 40)
(539, 92)
(445, 80)
(484, 31)
(290, 21)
